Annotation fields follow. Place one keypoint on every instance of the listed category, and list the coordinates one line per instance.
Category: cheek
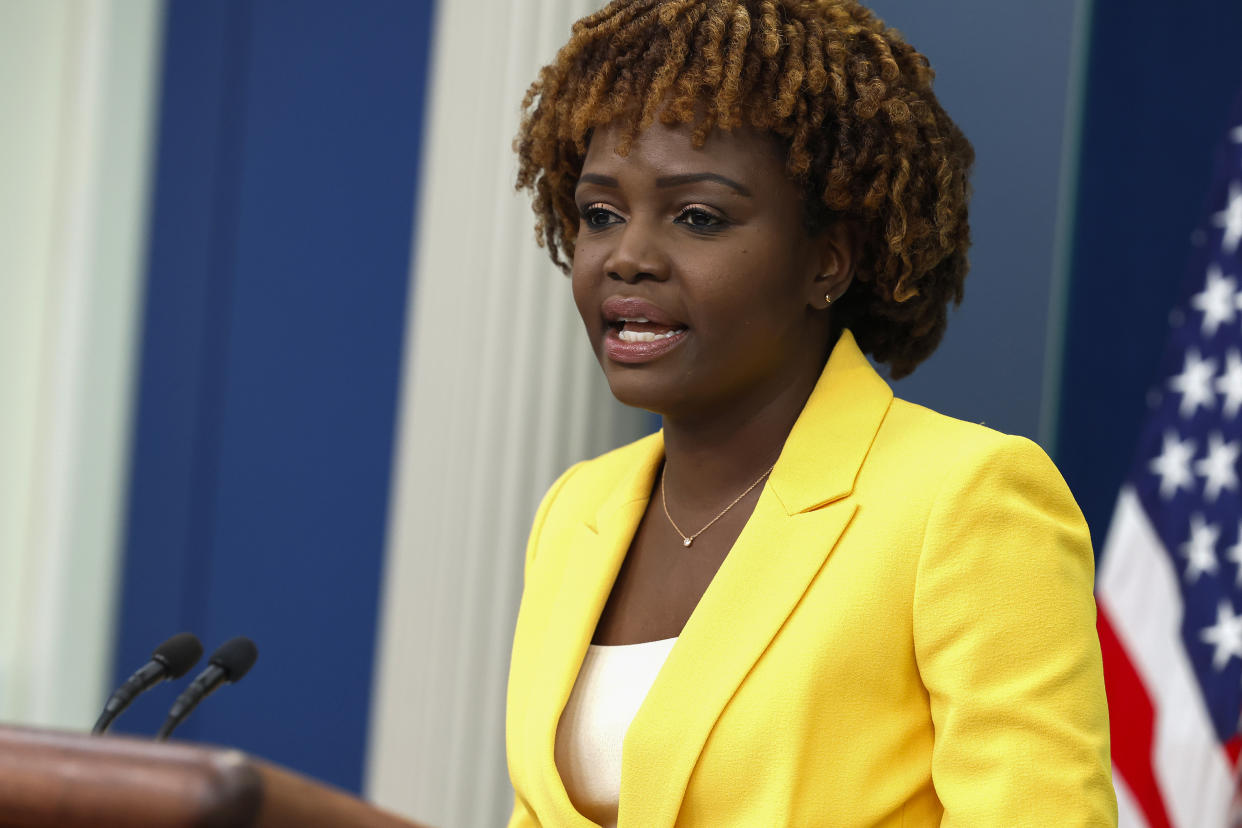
(585, 277)
(779, 281)
(583, 295)
(755, 289)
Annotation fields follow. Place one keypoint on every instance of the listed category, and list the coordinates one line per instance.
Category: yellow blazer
(903, 635)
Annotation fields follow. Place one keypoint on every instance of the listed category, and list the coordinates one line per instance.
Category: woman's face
(693, 274)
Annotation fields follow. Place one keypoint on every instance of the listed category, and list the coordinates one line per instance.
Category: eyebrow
(691, 178)
(670, 181)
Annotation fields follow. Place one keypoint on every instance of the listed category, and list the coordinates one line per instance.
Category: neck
(710, 456)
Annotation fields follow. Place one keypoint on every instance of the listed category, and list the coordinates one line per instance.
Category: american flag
(1170, 583)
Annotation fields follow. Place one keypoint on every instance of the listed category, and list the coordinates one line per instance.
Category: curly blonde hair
(867, 141)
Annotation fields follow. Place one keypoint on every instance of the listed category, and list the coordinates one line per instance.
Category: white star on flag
(1218, 301)
(1217, 468)
(1225, 635)
(1230, 218)
(1234, 554)
(1200, 549)
(1236, 134)
(1173, 465)
(1194, 383)
(1229, 383)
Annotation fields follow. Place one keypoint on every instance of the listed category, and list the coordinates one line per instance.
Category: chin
(638, 389)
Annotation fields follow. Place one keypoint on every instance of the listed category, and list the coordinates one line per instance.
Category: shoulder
(581, 489)
(920, 427)
(940, 449)
(587, 483)
(947, 478)
(988, 500)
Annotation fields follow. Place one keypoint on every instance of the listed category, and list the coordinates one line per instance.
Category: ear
(836, 248)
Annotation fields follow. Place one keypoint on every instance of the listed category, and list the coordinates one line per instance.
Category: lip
(616, 308)
(632, 353)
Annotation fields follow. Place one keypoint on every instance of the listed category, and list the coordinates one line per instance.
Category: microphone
(172, 659)
(231, 660)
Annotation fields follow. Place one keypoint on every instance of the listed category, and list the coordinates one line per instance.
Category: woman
(804, 602)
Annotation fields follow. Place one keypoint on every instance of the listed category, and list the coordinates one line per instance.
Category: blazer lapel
(800, 516)
(756, 588)
(596, 548)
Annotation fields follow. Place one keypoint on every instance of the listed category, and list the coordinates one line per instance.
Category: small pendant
(687, 541)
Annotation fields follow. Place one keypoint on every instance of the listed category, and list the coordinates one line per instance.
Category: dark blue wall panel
(288, 141)
(1161, 81)
(1002, 70)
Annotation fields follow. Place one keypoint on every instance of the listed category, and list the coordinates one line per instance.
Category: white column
(500, 394)
(77, 90)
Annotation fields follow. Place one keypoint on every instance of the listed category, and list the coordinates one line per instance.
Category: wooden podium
(53, 779)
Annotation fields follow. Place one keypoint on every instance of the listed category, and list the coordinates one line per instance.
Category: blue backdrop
(288, 140)
(1002, 71)
(1161, 81)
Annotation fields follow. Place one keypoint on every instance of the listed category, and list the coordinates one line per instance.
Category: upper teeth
(645, 336)
(635, 319)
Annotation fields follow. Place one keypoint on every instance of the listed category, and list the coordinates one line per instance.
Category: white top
(610, 688)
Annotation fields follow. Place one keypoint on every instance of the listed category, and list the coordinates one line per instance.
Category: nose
(637, 254)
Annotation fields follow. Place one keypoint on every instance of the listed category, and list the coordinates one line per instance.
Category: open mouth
(639, 330)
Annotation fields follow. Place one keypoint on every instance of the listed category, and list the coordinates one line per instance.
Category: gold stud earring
(828, 298)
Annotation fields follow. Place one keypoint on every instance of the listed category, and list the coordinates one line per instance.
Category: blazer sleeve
(1004, 630)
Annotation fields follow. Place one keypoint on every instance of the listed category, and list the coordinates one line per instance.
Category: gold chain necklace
(686, 540)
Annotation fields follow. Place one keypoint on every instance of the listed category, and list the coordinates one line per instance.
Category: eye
(698, 217)
(597, 216)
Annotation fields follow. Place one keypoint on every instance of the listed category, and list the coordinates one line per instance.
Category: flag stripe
(1138, 590)
(1132, 722)
(1129, 815)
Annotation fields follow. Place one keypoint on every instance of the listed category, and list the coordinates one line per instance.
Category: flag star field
(1170, 581)
(1189, 482)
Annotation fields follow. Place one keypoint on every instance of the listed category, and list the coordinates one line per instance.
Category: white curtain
(500, 394)
(77, 87)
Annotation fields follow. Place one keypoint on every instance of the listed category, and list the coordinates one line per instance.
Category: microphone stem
(150, 673)
(166, 729)
(101, 724)
(199, 689)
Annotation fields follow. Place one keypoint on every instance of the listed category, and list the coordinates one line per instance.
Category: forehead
(666, 148)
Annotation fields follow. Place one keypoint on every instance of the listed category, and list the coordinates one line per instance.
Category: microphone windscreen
(179, 653)
(235, 657)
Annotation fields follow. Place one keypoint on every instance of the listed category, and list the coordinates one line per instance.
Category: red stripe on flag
(1232, 748)
(1131, 719)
